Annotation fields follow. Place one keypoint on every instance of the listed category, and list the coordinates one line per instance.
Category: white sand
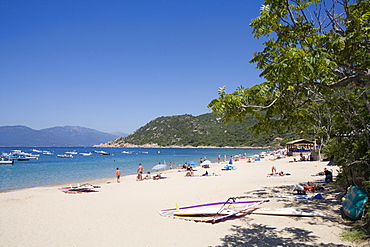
(126, 214)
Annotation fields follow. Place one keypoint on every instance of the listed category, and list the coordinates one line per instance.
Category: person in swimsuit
(118, 175)
(140, 170)
(148, 176)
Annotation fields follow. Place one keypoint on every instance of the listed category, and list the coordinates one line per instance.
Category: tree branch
(259, 107)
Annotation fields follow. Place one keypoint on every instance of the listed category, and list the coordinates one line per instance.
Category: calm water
(49, 170)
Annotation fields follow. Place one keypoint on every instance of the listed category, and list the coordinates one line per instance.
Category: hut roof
(300, 141)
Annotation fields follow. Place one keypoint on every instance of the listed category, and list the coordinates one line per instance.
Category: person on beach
(318, 174)
(170, 165)
(225, 158)
(158, 177)
(190, 172)
(299, 188)
(218, 159)
(118, 175)
(231, 160)
(273, 170)
(328, 176)
(148, 176)
(140, 171)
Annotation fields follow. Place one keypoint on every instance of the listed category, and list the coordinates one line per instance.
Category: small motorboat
(23, 158)
(6, 162)
(101, 152)
(65, 156)
(86, 154)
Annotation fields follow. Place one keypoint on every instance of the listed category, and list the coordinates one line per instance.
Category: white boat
(101, 152)
(72, 152)
(65, 156)
(86, 154)
(32, 156)
(47, 153)
(6, 162)
(18, 152)
(125, 152)
(36, 150)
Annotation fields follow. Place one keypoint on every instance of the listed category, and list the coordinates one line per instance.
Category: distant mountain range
(66, 136)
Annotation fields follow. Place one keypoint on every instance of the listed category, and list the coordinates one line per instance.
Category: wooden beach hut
(299, 146)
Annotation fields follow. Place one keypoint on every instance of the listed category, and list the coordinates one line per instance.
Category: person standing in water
(118, 175)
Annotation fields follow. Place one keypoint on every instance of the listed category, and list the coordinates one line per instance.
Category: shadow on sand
(252, 234)
(261, 235)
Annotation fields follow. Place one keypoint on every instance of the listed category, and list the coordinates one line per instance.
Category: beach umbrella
(159, 167)
(207, 162)
(192, 163)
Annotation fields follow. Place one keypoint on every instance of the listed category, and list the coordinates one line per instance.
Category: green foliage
(203, 130)
(316, 63)
(355, 234)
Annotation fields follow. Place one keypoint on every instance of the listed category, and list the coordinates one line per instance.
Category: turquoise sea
(50, 169)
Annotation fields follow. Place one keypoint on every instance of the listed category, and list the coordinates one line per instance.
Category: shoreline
(154, 145)
(149, 157)
(126, 213)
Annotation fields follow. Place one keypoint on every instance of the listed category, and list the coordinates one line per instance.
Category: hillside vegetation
(203, 130)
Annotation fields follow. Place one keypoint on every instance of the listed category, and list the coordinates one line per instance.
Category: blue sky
(114, 65)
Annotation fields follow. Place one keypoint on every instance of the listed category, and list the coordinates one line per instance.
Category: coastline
(126, 213)
(111, 144)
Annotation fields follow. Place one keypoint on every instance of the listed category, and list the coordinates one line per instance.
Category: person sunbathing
(318, 174)
(273, 170)
(148, 176)
(301, 190)
(157, 177)
(190, 172)
(275, 173)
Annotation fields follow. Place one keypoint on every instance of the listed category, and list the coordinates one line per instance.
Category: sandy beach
(126, 213)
